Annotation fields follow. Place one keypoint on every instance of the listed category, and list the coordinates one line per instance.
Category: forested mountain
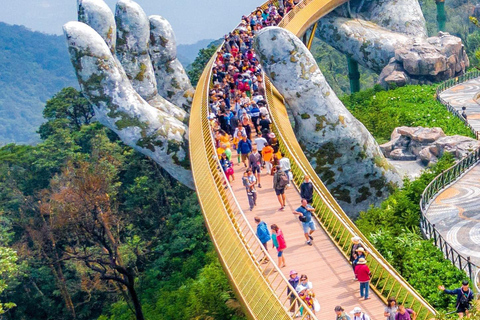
(33, 67)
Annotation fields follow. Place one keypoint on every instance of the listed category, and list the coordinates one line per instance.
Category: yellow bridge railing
(262, 287)
(386, 281)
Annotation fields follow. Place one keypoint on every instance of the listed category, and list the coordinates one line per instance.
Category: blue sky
(192, 20)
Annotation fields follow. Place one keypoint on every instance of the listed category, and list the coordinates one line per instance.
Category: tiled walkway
(456, 211)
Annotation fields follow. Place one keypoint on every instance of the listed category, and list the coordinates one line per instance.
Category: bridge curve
(262, 287)
(450, 203)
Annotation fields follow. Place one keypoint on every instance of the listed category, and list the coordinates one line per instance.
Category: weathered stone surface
(381, 30)
(426, 144)
(400, 154)
(172, 80)
(339, 147)
(150, 130)
(98, 15)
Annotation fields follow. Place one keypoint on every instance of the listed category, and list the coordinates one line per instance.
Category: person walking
(267, 156)
(341, 315)
(306, 189)
(278, 242)
(305, 291)
(263, 235)
(285, 166)
(245, 147)
(391, 308)
(358, 314)
(305, 216)
(294, 280)
(464, 298)
(251, 192)
(280, 181)
(405, 313)
(363, 275)
(254, 160)
(353, 252)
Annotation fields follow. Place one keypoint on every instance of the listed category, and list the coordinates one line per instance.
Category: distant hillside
(33, 67)
(186, 53)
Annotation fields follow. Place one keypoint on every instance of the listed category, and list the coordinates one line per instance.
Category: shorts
(255, 169)
(308, 225)
(279, 191)
(244, 157)
(280, 253)
(463, 308)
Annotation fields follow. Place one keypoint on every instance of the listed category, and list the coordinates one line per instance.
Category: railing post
(470, 274)
(434, 235)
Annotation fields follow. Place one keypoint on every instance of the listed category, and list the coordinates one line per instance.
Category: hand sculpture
(127, 68)
(390, 38)
(341, 150)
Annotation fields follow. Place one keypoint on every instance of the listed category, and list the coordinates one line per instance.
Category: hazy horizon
(192, 20)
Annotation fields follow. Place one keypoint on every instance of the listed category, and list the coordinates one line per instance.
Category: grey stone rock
(401, 154)
(342, 151)
(118, 106)
(427, 144)
(172, 80)
(98, 15)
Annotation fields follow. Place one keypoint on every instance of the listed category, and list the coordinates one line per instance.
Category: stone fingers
(118, 106)
(339, 147)
(172, 81)
(98, 15)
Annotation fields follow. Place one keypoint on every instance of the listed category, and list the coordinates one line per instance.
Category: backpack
(282, 180)
(464, 298)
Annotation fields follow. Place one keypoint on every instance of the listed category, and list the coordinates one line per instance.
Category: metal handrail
(260, 287)
(386, 282)
(445, 179)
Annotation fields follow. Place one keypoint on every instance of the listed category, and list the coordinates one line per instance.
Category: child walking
(279, 243)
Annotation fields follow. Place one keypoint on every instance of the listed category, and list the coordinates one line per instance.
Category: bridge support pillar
(441, 16)
(353, 75)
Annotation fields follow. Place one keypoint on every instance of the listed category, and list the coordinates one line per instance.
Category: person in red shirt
(363, 275)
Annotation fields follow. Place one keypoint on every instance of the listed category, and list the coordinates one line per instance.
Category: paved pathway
(456, 210)
(325, 266)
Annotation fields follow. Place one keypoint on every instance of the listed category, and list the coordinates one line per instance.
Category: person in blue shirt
(245, 147)
(305, 210)
(464, 298)
(263, 235)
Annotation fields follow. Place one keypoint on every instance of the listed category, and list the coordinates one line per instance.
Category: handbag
(302, 218)
(316, 305)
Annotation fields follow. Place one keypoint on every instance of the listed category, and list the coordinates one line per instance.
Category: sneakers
(309, 243)
(259, 185)
(282, 208)
(311, 238)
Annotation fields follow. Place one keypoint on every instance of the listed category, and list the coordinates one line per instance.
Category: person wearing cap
(293, 280)
(363, 275)
(305, 291)
(360, 253)
(341, 315)
(358, 314)
(405, 313)
(353, 252)
(464, 298)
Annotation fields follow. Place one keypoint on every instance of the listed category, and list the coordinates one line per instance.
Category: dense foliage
(101, 230)
(382, 111)
(393, 228)
(34, 66)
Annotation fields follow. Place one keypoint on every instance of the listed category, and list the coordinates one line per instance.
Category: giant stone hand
(127, 68)
(390, 38)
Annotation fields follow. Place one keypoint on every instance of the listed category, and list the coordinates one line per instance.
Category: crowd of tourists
(241, 125)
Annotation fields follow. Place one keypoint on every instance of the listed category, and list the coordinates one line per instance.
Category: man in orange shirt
(267, 155)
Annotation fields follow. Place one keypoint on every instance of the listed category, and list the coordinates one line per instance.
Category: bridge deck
(325, 266)
(455, 211)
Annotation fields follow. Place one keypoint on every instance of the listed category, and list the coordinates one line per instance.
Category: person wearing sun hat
(363, 275)
(353, 251)
(294, 280)
(358, 314)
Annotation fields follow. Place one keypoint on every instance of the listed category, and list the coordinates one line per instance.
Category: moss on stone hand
(305, 116)
(141, 75)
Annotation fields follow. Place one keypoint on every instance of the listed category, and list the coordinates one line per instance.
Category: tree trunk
(133, 294)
